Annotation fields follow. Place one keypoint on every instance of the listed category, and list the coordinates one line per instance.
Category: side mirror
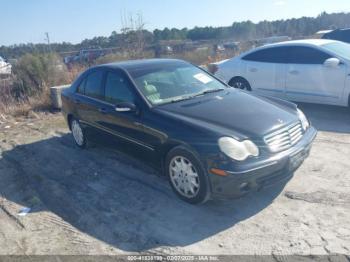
(125, 107)
(332, 62)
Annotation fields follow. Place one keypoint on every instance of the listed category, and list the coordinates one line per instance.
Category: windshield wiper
(210, 91)
(199, 94)
(181, 99)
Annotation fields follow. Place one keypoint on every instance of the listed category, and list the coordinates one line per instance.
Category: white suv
(314, 71)
(5, 68)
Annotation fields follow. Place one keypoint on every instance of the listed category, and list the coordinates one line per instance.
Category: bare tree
(133, 30)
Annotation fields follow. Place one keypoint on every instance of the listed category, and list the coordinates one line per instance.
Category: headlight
(304, 122)
(238, 150)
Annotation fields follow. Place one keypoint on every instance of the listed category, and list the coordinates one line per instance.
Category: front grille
(284, 138)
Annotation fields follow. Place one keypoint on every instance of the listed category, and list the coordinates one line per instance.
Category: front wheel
(187, 176)
(240, 83)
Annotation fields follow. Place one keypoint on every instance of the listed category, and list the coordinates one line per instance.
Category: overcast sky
(24, 21)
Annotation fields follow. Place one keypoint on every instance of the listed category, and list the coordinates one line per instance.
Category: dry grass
(203, 56)
(115, 57)
(73, 72)
(198, 57)
(23, 107)
(29, 87)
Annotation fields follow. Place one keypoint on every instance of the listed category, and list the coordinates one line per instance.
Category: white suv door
(265, 70)
(309, 80)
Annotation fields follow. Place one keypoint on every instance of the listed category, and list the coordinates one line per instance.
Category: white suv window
(268, 55)
(306, 55)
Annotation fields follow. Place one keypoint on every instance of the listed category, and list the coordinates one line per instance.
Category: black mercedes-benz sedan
(210, 140)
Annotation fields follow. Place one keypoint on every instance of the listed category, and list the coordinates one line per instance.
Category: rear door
(265, 70)
(309, 80)
(88, 98)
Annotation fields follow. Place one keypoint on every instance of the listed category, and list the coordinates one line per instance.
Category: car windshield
(167, 83)
(339, 48)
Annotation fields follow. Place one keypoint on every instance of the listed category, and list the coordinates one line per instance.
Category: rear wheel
(187, 176)
(78, 133)
(240, 83)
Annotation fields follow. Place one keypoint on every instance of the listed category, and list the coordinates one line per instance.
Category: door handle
(103, 110)
(253, 70)
(294, 72)
(77, 101)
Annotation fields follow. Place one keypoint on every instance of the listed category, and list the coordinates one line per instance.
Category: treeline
(238, 31)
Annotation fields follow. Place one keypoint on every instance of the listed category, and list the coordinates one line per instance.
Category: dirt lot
(100, 201)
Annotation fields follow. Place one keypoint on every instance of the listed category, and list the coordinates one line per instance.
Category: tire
(78, 133)
(240, 83)
(192, 174)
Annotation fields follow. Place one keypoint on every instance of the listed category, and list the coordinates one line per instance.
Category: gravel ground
(101, 201)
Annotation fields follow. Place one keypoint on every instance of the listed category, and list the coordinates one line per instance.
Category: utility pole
(47, 39)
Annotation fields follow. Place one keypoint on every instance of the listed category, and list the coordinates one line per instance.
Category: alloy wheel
(184, 177)
(77, 133)
(240, 85)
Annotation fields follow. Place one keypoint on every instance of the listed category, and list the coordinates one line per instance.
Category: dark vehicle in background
(232, 46)
(163, 50)
(85, 56)
(210, 140)
(338, 34)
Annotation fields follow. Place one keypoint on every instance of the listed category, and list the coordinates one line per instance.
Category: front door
(309, 80)
(265, 70)
(266, 78)
(125, 125)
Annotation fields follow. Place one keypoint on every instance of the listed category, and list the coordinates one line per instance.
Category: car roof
(341, 30)
(303, 42)
(134, 64)
(315, 42)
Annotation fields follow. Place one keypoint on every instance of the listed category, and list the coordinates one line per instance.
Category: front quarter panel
(230, 69)
(163, 132)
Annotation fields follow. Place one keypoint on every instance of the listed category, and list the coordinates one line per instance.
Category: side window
(81, 87)
(268, 55)
(306, 55)
(93, 84)
(117, 89)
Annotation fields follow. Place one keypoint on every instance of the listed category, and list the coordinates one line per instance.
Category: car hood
(234, 112)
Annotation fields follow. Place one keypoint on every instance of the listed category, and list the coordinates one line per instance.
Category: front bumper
(246, 177)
